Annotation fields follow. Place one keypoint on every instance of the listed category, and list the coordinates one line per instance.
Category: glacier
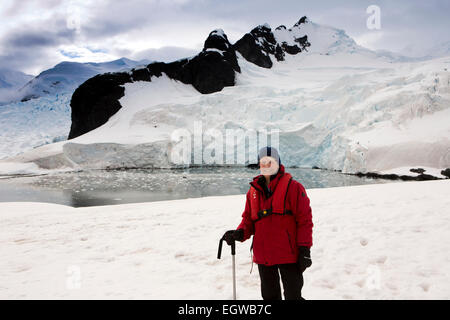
(337, 106)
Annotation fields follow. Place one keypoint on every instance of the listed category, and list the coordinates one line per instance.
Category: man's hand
(304, 258)
(232, 235)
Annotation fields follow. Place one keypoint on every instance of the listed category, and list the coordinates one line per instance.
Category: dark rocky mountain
(257, 45)
(97, 99)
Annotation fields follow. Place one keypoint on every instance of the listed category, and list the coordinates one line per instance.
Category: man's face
(268, 166)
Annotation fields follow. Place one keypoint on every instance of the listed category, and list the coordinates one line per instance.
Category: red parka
(276, 237)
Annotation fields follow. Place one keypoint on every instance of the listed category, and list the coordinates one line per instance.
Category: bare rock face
(212, 69)
(95, 101)
(257, 45)
(446, 172)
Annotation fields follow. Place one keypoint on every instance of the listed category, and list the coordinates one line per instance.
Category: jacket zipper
(289, 239)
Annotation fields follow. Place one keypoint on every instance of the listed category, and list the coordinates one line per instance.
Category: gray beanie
(269, 152)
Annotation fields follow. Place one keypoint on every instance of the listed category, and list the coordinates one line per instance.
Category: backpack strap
(278, 204)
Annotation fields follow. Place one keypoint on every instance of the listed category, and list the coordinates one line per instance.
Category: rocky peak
(261, 42)
(302, 20)
(217, 44)
(217, 39)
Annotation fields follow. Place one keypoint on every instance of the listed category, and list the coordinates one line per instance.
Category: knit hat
(269, 152)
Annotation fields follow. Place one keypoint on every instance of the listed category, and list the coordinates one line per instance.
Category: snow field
(386, 241)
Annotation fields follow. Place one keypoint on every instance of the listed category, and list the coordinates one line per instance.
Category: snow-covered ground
(386, 241)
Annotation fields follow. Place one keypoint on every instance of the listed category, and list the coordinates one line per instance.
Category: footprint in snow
(361, 283)
(364, 242)
(425, 286)
(378, 260)
(325, 283)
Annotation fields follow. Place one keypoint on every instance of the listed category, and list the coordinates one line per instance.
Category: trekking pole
(233, 253)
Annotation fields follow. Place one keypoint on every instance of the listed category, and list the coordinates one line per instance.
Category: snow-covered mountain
(41, 111)
(415, 50)
(337, 105)
(440, 50)
(11, 78)
(215, 67)
(67, 76)
(10, 82)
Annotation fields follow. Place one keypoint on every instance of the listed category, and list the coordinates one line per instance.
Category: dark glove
(232, 235)
(304, 258)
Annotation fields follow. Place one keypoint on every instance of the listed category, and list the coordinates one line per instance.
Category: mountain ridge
(68, 75)
(211, 69)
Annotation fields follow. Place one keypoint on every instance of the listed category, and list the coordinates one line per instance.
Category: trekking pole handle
(219, 253)
(233, 248)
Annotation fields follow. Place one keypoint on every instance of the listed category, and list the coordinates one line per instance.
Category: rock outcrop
(97, 99)
(258, 45)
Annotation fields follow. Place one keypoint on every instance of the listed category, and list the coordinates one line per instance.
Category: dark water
(106, 187)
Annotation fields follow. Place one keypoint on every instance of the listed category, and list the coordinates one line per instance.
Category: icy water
(107, 187)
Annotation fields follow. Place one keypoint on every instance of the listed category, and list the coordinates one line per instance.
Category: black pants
(292, 279)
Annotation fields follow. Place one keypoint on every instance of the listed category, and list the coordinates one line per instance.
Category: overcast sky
(37, 34)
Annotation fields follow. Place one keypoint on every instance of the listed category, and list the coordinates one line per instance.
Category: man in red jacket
(278, 215)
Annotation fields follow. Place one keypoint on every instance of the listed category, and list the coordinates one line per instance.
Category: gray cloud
(17, 7)
(30, 39)
(36, 44)
(123, 28)
(164, 54)
(119, 17)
